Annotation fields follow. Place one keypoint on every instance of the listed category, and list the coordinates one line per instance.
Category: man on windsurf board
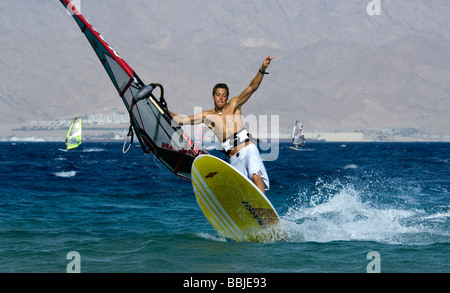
(225, 120)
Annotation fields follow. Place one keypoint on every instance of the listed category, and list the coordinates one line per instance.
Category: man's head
(220, 86)
(220, 95)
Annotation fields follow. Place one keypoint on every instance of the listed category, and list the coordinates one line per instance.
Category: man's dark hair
(220, 86)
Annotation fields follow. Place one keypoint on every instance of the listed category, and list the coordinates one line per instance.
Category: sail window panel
(127, 97)
(121, 77)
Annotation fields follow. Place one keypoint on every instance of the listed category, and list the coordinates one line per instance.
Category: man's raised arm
(254, 84)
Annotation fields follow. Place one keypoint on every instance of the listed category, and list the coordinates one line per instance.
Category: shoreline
(32, 139)
(119, 133)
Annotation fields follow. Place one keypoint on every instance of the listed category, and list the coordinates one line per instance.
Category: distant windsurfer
(225, 120)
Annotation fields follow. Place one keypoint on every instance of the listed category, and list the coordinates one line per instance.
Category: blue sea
(345, 208)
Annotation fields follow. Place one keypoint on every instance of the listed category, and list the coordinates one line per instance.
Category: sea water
(342, 206)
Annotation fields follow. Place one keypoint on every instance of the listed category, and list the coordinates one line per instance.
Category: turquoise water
(127, 213)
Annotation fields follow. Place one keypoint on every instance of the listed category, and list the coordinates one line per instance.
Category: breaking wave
(342, 212)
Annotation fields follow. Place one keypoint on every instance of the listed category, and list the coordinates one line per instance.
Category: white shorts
(248, 161)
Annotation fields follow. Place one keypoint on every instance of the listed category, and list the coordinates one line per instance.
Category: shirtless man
(225, 120)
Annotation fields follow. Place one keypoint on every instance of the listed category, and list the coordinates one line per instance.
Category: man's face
(220, 98)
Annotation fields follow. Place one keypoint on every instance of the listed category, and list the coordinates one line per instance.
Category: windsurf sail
(298, 138)
(157, 132)
(73, 138)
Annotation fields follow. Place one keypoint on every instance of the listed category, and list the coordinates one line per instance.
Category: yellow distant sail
(73, 138)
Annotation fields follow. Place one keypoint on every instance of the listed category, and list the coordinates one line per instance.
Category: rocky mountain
(335, 66)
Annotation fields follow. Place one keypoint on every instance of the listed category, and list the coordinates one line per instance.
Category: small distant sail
(298, 138)
(73, 138)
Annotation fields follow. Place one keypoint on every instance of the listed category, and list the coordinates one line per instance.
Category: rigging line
(130, 133)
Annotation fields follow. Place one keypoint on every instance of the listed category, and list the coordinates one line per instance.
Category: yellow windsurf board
(233, 204)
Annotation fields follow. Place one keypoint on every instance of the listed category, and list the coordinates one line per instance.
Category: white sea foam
(60, 159)
(65, 174)
(344, 216)
(90, 150)
(438, 217)
(350, 166)
(211, 237)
